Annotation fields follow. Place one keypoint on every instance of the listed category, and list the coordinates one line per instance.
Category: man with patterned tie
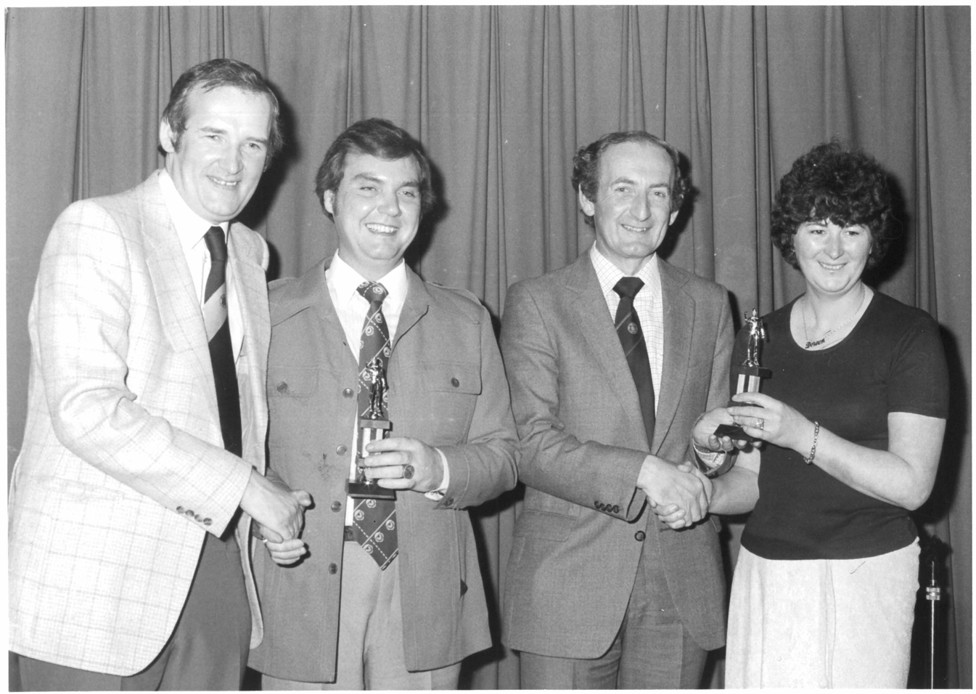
(142, 467)
(389, 595)
(610, 360)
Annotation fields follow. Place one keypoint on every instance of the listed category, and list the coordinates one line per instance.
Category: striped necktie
(218, 335)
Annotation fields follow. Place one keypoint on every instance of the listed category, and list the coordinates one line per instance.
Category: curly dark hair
(379, 138)
(844, 186)
(586, 165)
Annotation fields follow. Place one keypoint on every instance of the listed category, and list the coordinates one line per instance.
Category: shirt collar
(609, 274)
(346, 281)
(190, 227)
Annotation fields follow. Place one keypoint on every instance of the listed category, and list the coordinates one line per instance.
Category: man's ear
(585, 204)
(328, 201)
(166, 137)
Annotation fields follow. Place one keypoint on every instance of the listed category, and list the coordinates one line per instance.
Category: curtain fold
(502, 97)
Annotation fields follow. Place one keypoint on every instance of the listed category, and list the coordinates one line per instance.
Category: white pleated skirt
(824, 623)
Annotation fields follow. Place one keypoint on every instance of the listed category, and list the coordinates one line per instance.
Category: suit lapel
(679, 320)
(415, 306)
(179, 310)
(248, 280)
(586, 300)
(311, 292)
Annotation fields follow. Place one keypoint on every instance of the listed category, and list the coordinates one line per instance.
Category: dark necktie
(635, 349)
(374, 520)
(218, 334)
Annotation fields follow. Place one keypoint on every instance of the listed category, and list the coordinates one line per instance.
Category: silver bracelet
(813, 449)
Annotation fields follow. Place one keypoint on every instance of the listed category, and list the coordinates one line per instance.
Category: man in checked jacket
(143, 458)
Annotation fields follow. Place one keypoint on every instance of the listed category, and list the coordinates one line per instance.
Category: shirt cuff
(438, 494)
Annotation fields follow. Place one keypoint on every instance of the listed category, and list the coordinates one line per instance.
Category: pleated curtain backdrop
(502, 97)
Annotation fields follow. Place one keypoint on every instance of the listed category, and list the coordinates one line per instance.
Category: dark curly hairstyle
(840, 185)
(586, 165)
(379, 138)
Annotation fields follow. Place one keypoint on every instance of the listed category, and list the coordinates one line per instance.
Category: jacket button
(207, 522)
(333, 569)
(180, 509)
(340, 449)
(336, 506)
(639, 536)
(449, 501)
(282, 387)
(347, 392)
(455, 382)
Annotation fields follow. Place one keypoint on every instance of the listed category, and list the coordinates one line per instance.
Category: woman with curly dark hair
(851, 425)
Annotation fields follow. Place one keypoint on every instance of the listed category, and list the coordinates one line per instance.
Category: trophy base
(368, 490)
(735, 432)
(748, 379)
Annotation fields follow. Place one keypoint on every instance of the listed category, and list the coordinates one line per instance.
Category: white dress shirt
(191, 228)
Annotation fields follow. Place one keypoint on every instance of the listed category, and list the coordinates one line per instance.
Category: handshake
(680, 494)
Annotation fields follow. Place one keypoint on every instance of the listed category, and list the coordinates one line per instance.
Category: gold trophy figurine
(373, 426)
(748, 375)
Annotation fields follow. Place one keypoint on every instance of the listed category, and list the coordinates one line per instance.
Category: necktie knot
(216, 245)
(373, 292)
(628, 287)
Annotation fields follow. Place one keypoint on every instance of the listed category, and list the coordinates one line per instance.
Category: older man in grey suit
(610, 361)
(132, 498)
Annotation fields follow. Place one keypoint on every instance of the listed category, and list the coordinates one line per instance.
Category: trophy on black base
(748, 375)
(373, 426)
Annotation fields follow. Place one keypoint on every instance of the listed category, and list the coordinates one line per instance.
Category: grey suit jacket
(579, 534)
(447, 388)
(123, 470)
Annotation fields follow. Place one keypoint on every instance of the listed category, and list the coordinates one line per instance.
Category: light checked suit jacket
(447, 388)
(578, 536)
(123, 469)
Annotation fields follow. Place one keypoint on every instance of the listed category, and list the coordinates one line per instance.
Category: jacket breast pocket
(454, 388)
(292, 381)
(291, 407)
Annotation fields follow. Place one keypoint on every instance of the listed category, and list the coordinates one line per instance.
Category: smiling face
(376, 210)
(222, 153)
(632, 210)
(832, 258)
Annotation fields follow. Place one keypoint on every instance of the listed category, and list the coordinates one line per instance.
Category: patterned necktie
(218, 335)
(374, 520)
(635, 349)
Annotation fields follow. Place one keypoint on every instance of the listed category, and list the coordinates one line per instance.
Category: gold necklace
(810, 344)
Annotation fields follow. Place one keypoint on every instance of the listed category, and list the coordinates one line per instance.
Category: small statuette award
(373, 426)
(749, 374)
